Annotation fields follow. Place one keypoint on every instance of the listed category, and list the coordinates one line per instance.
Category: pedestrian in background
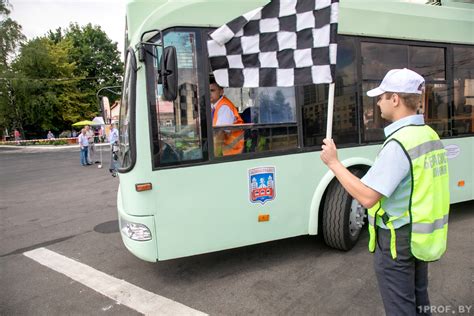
(50, 135)
(90, 138)
(113, 140)
(406, 192)
(101, 134)
(84, 145)
(17, 135)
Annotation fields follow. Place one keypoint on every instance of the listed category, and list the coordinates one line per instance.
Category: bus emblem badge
(262, 184)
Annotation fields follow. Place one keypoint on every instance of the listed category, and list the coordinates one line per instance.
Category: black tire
(340, 228)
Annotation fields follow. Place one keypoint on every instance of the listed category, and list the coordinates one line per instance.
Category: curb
(37, 148)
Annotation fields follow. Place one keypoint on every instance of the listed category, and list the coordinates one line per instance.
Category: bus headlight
(135, 231)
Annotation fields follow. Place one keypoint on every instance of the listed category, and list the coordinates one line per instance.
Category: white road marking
(121, 291)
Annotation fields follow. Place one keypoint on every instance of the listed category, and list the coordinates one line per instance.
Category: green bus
(177, 197)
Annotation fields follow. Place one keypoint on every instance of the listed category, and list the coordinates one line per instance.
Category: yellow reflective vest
(428, 208)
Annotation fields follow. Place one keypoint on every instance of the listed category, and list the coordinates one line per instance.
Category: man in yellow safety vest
(406, 192)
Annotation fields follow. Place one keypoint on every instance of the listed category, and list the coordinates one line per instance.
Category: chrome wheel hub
(356, 217)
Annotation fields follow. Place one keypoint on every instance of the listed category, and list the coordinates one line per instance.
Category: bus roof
(451, 22)
(404, 20)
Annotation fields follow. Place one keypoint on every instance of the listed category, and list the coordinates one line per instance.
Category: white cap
(399, 80)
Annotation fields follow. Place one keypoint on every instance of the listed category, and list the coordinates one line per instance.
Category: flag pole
(330, 110)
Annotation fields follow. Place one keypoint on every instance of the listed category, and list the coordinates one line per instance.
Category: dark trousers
(403, 282)
(113, 162)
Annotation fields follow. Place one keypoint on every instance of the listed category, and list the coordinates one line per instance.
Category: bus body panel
(215, 212)
(389, 19)
(206, 208)
(210, 207)
(145, 250)
(461, 160)
(165, 14)
(404, 20)
(139, 203)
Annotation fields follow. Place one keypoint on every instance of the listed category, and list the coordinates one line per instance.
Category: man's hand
(358, 190)
(329, 153)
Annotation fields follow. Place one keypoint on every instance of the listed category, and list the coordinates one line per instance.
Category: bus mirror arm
(141, 46)
(161, 74)
(168, 73)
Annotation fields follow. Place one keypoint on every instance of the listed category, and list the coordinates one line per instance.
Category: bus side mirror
(169, 73)
(105, 108)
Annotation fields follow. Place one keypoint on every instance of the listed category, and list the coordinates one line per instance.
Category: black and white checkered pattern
(285, 43)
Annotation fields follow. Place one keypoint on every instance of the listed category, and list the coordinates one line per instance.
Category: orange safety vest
(233, 141)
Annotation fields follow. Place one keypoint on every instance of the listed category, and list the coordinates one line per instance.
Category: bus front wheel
(343, 216)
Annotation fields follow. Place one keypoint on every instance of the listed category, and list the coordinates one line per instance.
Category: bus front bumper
(138, 235)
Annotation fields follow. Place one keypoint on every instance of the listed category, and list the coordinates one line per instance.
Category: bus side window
(378, 58)
(463, 90)
(315, 98)
(177, 137)
(430, 63)
(269, 116)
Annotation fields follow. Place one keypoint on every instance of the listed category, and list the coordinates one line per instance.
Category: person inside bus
(224, 112)
(406, 192)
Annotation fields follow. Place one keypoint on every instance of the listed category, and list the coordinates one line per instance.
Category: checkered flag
(285, 43)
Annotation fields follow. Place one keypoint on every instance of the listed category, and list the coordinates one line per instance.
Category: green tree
(46, 93)
(97, 60)
(10, 39)
(10, 34)
(56, 36)
(53, 81)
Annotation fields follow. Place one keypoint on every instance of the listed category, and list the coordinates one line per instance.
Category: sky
(37, 17)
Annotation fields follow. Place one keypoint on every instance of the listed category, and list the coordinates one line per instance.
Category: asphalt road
(47, 200)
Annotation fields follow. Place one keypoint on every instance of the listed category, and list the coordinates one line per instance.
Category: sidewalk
(47, 148)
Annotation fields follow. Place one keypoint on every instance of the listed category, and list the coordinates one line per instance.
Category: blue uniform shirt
(113, 135)
(390, 175)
